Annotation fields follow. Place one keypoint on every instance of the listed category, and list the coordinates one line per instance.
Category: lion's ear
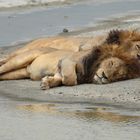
(113, 37)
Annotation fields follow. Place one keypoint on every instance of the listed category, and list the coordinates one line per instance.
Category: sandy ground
(125, 93)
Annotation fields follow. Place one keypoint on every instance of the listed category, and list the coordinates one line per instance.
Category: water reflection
(102, 114)
(84, 113)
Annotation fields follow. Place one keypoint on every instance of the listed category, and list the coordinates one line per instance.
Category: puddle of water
(67, 122)
(83, 112)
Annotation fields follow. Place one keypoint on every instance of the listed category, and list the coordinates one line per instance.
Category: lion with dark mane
(104, 64)
(78, 61)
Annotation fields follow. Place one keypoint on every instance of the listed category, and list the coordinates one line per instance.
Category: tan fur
(74, 44)
(46, 64)
(129, 40)
(15, 74)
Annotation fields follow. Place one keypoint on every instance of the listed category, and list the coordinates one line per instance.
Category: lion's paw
(46, 82)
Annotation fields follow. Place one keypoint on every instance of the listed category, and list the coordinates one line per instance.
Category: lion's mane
(112, 47)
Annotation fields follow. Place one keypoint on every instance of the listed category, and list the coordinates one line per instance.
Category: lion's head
(115, 69)
(121, 57)
(110, 70)
(111, 63)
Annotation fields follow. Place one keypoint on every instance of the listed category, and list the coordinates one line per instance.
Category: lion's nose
(103, 75)
(138, 47)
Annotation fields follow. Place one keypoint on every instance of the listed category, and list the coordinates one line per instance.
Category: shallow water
(67, 122)
(25, 3)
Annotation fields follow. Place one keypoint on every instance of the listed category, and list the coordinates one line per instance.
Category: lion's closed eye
(138, 55)
(137, 47)
(111, 64)
(104, 75)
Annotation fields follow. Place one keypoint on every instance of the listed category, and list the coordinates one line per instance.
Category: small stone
(60, 93)
(65, 30)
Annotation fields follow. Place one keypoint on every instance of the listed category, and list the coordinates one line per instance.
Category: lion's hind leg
(33, 45)
(14, 75)
(20, 61)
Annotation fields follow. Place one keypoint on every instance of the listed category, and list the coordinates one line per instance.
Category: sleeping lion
(108, 63)
(115, 57)
(100, 66)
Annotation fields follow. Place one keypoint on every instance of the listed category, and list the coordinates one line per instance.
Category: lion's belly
(46, 64)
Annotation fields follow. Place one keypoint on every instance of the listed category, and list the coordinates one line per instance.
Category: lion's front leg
(67, 68)
(66, 75)
(51, 81)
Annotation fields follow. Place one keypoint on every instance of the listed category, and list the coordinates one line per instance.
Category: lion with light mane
(78, 61)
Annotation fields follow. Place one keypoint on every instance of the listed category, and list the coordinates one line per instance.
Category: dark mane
(134, 68)
(120, 36)
(88, 62)
(113, 37)
(91, 62)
